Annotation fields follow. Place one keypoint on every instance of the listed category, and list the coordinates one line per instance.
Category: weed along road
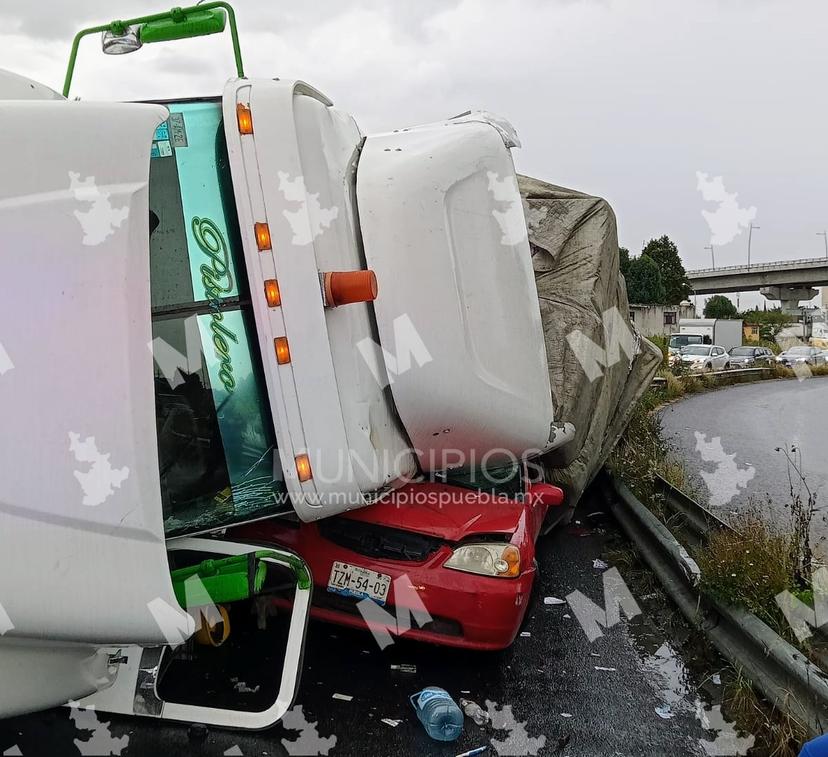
(642, 687)
(728, 441)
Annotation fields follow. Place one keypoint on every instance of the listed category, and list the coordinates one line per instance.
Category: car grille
(379, 541)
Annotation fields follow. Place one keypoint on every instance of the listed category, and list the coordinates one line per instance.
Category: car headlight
(500, 560)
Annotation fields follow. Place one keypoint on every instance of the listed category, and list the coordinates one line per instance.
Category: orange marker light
(274, 298)
(262, 231)
(282, 350)
(245, 118)
(511, 560)
(345, 287)
(303, 468)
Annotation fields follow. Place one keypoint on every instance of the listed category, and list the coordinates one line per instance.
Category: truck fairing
(458, 315)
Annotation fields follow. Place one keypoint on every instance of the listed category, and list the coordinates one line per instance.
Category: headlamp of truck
(486, 559)
(123, 40)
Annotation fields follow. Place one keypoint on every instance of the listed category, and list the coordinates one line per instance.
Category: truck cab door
(158, 682)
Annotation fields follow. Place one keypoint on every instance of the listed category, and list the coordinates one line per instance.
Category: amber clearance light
(245, 118)
(282, 350)
(262, 231)
(274, 298)
(303, 468)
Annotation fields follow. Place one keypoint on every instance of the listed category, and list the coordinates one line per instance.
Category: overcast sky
(628, 100)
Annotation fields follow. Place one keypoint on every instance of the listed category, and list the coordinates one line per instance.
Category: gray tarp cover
(599, 366)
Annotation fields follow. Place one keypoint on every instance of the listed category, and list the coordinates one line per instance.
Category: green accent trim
(296, 564)
(176, 15)
(184, 26)
(232, 579)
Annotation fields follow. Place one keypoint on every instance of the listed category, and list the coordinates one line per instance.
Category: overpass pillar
(790, 297)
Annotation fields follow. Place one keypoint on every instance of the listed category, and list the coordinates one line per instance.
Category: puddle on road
(687, 679)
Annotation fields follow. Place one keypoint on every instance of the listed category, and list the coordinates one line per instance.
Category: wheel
(727, 366)
(708, 368)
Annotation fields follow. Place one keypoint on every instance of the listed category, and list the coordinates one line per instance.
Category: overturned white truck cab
(218, 311)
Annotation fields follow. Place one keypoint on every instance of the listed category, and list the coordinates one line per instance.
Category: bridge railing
(780, 265)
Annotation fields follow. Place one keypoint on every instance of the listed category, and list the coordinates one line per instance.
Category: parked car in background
(705, 357)
(750, 357)
(801, 355)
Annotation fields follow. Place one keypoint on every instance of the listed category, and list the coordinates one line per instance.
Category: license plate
(353, 581)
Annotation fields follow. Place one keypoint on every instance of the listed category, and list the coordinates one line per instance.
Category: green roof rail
(128, 35)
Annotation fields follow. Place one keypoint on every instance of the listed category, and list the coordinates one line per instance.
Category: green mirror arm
(120, 26)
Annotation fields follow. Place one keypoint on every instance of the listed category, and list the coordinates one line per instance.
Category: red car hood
(446, 512)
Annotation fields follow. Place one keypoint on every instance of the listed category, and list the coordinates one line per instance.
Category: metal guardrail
(780, 671)
(780, 265)
(696, 517)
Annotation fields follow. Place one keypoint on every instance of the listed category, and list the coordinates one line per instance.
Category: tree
(774, 316)
(719, 306)
(666, 256)
(644, 284)
(623, 260)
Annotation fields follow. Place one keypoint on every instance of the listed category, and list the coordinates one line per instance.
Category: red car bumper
(410, 542)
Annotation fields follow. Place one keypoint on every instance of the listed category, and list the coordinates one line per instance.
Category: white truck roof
(458, 314)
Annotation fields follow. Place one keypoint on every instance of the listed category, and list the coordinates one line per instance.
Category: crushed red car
(464, 555)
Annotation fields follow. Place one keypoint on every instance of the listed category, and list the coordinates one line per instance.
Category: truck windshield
(217, 451)
(682, 340)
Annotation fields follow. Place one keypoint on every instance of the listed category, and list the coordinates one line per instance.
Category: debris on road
(343, 697)
(438, 712)
(473, 752)
(475, 712)
(553, 601)
(664, 712)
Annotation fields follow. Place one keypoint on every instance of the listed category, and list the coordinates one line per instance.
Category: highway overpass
(790, 281)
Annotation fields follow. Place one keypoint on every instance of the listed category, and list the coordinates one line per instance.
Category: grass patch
(748, 567)
(777, 733)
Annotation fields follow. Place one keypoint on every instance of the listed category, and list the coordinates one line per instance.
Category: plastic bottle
(475, 711)
(439, 713)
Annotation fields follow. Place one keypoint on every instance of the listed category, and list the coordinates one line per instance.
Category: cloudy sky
(627, 99)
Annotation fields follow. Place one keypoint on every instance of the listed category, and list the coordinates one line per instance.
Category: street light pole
(824, 235)
(750, 236)
(712, 255)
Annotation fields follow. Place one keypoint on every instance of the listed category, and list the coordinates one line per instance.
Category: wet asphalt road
(752, 420)
(551, 680)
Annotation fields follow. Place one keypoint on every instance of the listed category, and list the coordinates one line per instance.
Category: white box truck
(723, 332)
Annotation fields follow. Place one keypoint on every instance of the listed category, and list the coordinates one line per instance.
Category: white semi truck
(219, 310)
